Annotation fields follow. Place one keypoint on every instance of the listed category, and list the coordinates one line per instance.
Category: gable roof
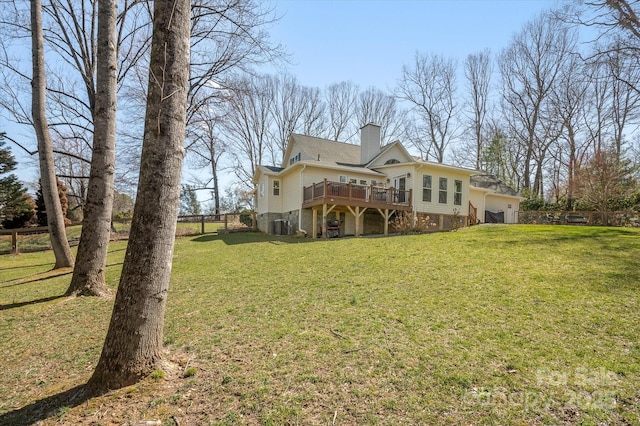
(487, 181)
(389, 150)
(321, 150)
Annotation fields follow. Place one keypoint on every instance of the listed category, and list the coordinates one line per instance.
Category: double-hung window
(457, 192)
(426, 188)
(442, 192)
(276, 188)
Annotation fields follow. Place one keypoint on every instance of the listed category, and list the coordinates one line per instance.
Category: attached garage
(495, 201)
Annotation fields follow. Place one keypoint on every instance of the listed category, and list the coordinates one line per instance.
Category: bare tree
(625, 98)
(597, 110)
(314, 116)
(568, 100)
(604, 180)
(88, 275)
(57, 232)
(477, 71)
(247, 125)
(133, 345)
(429, 85)
(73, 168)
(375, 106)
(206, 147)
(287, 110)
(530, 67)
(341, 102)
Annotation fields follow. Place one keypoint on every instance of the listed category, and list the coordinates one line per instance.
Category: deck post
(325, 189)
(314, 234)
(357, 221)
(324, 219)
(386, 222)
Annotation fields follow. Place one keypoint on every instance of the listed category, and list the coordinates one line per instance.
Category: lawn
(487, 325)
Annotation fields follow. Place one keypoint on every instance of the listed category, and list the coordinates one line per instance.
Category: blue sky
(368, 42)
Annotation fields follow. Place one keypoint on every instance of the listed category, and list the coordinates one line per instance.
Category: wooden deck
(354, 195)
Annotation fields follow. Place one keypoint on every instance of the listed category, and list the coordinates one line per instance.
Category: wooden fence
(37, 238)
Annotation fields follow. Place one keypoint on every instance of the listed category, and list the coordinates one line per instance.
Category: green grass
(488, 325)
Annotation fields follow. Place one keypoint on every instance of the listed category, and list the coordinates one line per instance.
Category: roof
(491, 182)
(274, 169)
(323, 150)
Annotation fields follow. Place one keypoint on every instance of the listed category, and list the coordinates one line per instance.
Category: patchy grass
(493, 324)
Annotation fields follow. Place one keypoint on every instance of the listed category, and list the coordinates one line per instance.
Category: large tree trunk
(132, 348)
(88, 275)
(55, 218)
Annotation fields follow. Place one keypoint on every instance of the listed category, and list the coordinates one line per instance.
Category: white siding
(435, 206)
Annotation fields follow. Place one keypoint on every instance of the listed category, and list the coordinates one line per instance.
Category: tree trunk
(132, 348)
(216, 190)
(88, 275)
(57, 232)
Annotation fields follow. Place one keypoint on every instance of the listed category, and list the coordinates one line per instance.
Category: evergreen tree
(16, 206)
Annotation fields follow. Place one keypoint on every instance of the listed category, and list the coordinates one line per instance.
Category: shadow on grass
(51, 406)
(250, 237)
(19, 280)
(27, 266)
(29, 302)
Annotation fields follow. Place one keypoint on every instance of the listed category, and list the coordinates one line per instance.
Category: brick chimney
(369, 142)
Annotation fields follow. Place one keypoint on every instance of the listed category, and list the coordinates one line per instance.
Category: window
(442, 193)
(294, 159)
(276, 188)
(363, 181)
(343, 179)
(426, 188)
(261, 189)
(353, 180)
(457, 192)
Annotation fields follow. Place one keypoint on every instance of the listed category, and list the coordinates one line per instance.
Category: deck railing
(355, 192)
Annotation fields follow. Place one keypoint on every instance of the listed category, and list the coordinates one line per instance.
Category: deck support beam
(386, 214)
(357, 215)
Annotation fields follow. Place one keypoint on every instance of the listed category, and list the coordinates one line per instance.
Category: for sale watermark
(582, 388)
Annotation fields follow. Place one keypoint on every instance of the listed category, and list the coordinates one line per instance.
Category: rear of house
(359, 189)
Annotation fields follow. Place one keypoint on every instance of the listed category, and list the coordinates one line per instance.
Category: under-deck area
(327, 197)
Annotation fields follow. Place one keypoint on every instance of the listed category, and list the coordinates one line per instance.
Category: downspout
(301, 195)
(484, 206)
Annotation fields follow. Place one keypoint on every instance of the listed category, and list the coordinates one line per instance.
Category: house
(325, 187)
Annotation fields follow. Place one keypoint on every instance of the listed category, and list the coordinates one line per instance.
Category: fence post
(14, 242)
(202, 221)
(225, 221)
